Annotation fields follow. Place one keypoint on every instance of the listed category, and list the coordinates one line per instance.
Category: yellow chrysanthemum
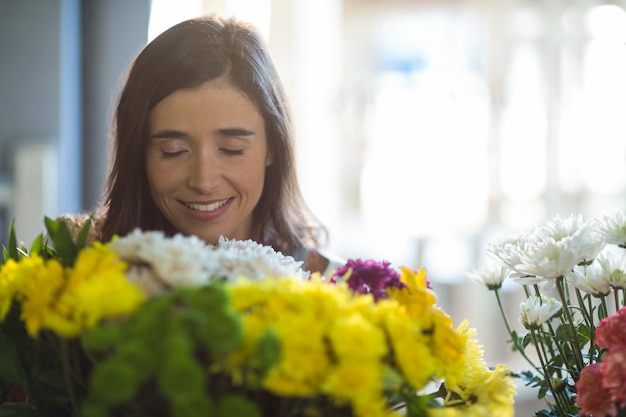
(40, 283)
(357, 339)
(479, 390)
(8, 286)
(358, 384)
(96, 288)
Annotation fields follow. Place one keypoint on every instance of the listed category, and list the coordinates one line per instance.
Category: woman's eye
(170, 155)
(232, 152)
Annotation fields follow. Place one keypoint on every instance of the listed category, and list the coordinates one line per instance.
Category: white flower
(590, 279)
(613, 264)
(158, 263)
(508, 250)
(537, 310)
(556, 247)
(490, 274)
(614, 229)
(178, 260)
(232, 259)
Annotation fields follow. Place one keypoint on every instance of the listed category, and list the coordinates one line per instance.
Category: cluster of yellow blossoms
(68, 300)
(357, 351)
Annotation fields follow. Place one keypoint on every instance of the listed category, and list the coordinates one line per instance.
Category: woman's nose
(204, 175)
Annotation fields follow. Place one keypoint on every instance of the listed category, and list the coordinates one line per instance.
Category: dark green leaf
(236, 406)
(19, 410)
(37, 246)
(62, 241)
(83, 236)
(12, 250)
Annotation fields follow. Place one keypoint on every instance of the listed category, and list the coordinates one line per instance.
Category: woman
(203, 145)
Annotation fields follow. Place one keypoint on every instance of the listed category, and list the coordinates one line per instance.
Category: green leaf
(564, 332)
(102, 337)
(602, 313)
(83, 236)
(37, 246)
(236, 406)
(10, 371)
(12, 250)
(62, 241)
(19, 410)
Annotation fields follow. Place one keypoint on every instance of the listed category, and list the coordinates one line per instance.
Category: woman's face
(206, 160)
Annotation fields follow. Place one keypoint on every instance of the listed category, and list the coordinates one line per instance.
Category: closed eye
(231, 152)
(170, 155)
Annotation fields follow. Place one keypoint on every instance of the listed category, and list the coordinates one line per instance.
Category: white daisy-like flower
(537, 310)
(177, 260)
(590, 279)
(158, 263)
(232, 259)
(614, 229)
(556, 247)
(508, 250)
(490, 274)
(613, 264)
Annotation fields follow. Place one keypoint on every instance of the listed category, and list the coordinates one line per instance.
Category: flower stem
(575, 344)
(65, 356)
(513, 337)
(547, 374)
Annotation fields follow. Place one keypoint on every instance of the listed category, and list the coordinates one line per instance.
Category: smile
(207, 207)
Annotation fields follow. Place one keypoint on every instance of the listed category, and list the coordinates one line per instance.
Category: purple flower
(370, 277)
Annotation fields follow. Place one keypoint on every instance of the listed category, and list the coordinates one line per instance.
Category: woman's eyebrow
(235, 131)
(167, 134)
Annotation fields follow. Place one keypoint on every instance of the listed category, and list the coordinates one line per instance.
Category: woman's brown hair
(186, 56)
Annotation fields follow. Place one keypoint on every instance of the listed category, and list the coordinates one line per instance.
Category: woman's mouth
(207, 207)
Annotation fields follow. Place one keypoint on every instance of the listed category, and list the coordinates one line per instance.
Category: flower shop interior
(425, 128)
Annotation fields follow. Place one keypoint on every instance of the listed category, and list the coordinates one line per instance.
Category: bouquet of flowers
(149, 325)
(573, 271)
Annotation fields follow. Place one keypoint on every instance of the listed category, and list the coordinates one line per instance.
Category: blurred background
(425, 128)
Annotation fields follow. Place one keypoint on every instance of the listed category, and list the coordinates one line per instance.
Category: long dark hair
(186, 56)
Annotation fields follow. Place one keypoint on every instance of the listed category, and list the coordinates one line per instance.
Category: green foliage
(169, 346)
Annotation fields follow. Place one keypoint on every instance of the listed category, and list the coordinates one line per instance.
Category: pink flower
(611, 330)
(614, 379)
(593, 398)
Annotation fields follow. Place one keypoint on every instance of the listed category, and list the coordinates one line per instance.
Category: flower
(577, 336)
(369, 277)
(536, 310)
(239, 324)
(159, 263)
(614, 229)
(490, 274)
(591, 279)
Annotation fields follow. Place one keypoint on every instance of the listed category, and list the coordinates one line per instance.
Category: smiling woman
(203, 145)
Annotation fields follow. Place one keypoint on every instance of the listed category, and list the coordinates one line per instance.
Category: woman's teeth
(207, 207)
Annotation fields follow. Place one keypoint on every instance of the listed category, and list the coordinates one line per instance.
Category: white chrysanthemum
(233, 259)
(508, 250)
(547, 261)
(556, 247)
(490, 274)
(158, 263)
(613, 264)
(537, 310)
(590, 279)
(614, 229)
(178, 260)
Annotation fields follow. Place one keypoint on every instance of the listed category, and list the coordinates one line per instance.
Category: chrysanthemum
(369, 277)
(614, 229)
(8, 286)
(96, 288)
(509, 250)
(490, 274)
(537, 310)
(611, 330)
(613, 265)
(40, 283)
(590, 279)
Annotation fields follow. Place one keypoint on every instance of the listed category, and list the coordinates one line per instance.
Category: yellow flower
(40, 283)
(96, 288)
(355, 338)
(8, 286)
(358, 384)
(480, 391)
